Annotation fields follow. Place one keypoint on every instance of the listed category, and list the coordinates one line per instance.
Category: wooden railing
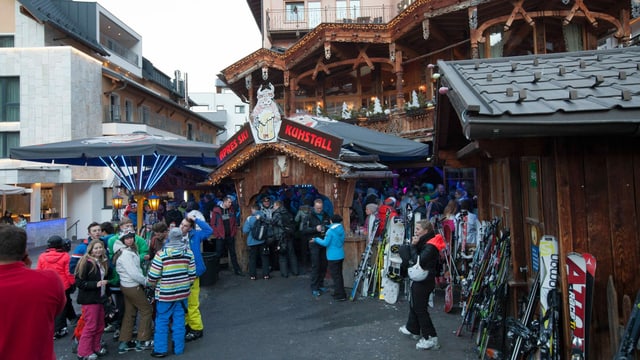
(306, 19)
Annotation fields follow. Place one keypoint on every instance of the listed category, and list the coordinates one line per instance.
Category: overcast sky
(199, 37)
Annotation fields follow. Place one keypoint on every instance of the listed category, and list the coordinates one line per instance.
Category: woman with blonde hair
(91, 274)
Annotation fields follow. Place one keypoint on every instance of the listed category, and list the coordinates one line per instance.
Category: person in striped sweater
(173, 271)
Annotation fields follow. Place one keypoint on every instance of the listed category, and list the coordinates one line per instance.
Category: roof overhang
(564, 94)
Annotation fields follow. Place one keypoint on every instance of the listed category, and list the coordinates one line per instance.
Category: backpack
(262, 231)
(287, 223)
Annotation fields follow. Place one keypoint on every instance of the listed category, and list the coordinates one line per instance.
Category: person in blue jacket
(189, 227)
(334, 242)
(256, 247)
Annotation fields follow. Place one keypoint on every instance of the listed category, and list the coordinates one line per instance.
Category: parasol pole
(140, 200)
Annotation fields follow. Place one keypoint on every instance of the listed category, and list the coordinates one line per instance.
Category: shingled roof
(47, 11)
(577, 93)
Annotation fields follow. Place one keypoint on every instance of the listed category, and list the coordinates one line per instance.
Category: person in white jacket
(132, 283)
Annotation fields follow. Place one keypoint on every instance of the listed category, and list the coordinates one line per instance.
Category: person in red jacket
(223, 223)
(57, 259)
(30, 301)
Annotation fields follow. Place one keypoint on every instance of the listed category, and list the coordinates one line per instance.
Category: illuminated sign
(310, 138)
(238, 141)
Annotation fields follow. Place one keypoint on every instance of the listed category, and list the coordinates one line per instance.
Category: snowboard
(577, 281)
(391, 277)
(549, 301)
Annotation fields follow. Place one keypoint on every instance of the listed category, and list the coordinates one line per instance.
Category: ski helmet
(55, 242)
(416, 272)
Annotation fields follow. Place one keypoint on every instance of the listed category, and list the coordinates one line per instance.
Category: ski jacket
(248, 225)
(333, 241)
(313, 220)
(197, 237)
(87, 282)
(141, 245)
(174, 272)
(429, 248)
(76, 255)
(128, 266)
(58, 261)
(282, 222)
(382, 215)
(217, 222)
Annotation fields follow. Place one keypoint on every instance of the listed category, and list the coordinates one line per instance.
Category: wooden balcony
(414, 125)
(305, 20)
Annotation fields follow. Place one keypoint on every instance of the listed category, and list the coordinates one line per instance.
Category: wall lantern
(116, 201)
(154, 202)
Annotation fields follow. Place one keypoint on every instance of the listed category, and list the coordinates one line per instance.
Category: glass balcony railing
(307, 19)
(119, 49)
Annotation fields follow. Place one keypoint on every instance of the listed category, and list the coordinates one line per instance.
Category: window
(295, 11)
(189, 131)
(532, 206)
(6, 41)
(128, 111)
(219, 107)
(146, 114)
(8, 141)
(114, 109)
(239, 109)
(9, 99)
(347, 10)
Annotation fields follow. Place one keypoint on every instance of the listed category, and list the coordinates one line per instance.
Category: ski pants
(335, 269)
(89, 342)
(287, 259)
(170, 312)
(228, 244)
(256, 251)
(419, 321)
(318, 265)
(193, 318)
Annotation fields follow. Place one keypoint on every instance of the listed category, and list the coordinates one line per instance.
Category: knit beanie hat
(175, 239)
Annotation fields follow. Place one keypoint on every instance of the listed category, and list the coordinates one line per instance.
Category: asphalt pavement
(280, 319)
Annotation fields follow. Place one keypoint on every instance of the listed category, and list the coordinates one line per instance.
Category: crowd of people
(144, 286)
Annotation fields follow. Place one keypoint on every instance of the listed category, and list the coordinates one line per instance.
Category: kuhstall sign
(238, 141)
(310, 138)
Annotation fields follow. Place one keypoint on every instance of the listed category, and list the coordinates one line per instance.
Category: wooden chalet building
(555, 141)
(576, 182)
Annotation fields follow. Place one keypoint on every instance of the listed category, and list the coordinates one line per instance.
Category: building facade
(356, 53)
(70, 70)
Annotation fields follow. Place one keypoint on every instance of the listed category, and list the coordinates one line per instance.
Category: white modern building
(223, 107)
(71, 70)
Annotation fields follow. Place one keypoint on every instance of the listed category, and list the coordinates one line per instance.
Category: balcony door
(315, 13)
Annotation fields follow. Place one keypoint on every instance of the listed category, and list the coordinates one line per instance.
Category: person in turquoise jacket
(334, 242)
(198, 230)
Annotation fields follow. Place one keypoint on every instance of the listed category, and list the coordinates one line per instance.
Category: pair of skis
(364, 261)
(631, 334)
(549, 336)
(581, 270)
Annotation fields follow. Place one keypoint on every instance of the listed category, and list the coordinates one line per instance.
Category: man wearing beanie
(173, 269)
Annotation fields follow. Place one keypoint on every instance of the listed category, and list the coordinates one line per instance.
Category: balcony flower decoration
(347, 115)
(417, 105)
(376, 113)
